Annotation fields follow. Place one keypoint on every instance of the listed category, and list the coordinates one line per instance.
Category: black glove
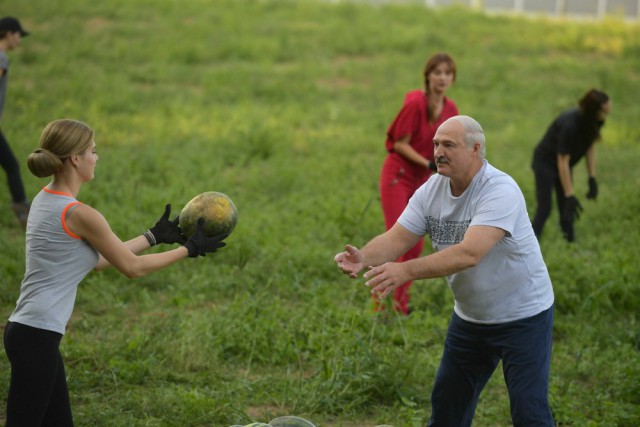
(572, 209)
(433, 166)
(593, 188)
(200, 245)
(165, 231)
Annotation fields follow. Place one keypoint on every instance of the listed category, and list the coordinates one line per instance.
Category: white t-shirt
(511, 282)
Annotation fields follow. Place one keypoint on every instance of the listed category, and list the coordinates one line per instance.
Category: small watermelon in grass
(290, 421)
(219, 213)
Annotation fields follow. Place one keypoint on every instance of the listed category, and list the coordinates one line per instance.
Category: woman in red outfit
(409, 143)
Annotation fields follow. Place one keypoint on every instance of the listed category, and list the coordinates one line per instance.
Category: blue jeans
(471, 354)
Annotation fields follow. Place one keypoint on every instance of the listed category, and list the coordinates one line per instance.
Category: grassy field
(283, 106)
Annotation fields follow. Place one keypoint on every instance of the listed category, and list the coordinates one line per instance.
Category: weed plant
(283, 106)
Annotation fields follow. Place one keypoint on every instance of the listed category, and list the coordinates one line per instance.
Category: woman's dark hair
(436, 60)
(590, 104)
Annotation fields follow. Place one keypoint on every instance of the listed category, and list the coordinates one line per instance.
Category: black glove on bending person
(200, 245)
(593, 188)
(572, 209)
(165, 231)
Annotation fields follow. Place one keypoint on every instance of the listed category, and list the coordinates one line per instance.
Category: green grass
(283, 106)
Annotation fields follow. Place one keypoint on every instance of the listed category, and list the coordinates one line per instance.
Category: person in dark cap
(11, 24)
(11, 33)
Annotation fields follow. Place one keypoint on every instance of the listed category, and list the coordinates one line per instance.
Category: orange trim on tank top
(64, 211)
(64, 220)
(60, 193)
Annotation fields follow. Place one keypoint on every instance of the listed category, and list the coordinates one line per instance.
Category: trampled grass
(283, 106)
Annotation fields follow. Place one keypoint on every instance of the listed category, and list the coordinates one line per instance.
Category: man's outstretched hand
(350, 261)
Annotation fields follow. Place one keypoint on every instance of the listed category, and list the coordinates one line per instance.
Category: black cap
(9, 23)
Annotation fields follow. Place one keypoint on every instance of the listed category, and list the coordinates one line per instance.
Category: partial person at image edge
(11, 33)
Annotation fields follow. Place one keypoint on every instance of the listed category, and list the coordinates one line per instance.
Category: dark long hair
(590, 104)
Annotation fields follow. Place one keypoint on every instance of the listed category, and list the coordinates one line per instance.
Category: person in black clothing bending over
(571, 136)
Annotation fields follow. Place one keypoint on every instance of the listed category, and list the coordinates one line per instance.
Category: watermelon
(290, 421)
(219, 213)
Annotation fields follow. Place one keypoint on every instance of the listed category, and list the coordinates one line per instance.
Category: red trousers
(398, 181)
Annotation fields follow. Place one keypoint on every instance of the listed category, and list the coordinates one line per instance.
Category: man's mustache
(441, 160)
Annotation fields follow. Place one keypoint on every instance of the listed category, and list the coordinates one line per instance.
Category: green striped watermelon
(219, 213)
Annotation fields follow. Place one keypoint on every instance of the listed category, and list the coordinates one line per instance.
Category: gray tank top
(56, 261)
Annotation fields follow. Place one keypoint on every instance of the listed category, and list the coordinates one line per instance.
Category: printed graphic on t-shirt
(446, 232)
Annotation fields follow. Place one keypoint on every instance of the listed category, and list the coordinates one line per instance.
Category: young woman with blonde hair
(65, 240)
